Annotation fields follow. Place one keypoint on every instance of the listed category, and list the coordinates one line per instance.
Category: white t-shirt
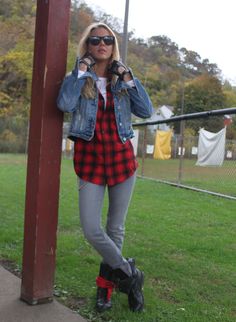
(102, 84)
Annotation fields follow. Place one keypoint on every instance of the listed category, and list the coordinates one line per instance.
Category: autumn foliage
(161, 65)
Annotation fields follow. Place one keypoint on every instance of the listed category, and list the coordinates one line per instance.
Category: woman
(101, 93)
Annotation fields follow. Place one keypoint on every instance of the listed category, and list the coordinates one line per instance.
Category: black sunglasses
(95, 40)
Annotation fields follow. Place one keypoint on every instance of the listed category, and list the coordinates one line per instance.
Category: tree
(230, 94)
(191, 60)
(81, 16)
(168, 47)
(201, 94)
(17, 8)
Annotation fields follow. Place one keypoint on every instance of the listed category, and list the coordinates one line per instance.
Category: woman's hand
(86, 63)
(121, 70)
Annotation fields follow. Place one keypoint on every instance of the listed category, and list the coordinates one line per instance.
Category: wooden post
(44, 152)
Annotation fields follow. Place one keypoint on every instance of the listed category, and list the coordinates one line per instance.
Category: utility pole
(125, 34)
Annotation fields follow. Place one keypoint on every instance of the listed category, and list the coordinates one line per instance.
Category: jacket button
(124, 139)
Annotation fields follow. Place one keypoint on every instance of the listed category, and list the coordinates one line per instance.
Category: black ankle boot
(132, 286)
(105, 287)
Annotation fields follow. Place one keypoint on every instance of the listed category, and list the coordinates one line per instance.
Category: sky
(207, 27)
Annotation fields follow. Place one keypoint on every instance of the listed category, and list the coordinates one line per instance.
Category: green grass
(184, 241)
(217, 179)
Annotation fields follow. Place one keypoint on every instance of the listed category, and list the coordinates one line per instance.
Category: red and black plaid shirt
(104, 159)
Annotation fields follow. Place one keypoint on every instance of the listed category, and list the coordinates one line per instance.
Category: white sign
(149, 149)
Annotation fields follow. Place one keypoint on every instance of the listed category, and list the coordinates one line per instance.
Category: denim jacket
(134, 100)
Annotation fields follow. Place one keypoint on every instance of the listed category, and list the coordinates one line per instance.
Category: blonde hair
(88, 89)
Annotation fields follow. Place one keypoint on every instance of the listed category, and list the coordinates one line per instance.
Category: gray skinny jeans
(107, 243)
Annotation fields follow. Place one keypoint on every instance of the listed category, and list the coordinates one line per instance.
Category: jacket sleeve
(70, 92)
(141, 104)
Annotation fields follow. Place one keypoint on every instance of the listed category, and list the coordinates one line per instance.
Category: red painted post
(44, 152)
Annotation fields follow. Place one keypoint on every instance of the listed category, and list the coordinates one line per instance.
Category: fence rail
(191, 116)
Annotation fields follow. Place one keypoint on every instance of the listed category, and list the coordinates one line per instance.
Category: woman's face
(102, 51)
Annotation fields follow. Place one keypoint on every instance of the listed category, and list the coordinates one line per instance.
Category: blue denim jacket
(84, 110)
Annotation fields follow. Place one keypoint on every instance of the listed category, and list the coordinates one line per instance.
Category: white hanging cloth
(211, 148)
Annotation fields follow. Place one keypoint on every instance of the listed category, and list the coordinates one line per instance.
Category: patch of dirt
(11, 267)
(75, 303)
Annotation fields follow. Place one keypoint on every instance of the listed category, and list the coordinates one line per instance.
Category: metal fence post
(181, 157)
(182, 126)
(144, 150)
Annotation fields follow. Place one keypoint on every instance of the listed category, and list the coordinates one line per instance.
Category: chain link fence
(182, 165)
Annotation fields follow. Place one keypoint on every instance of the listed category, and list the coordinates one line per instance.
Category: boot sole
(141, 306)
(103, 309)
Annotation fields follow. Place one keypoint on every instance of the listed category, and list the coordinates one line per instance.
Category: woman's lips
(102, 51)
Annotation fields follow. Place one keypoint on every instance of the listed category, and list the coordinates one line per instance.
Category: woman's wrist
(127, 76)
(83, 67)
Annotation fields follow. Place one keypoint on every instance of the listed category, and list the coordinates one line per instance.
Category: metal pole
(191, 116)
(125, 34)
(182, 126)
(44, 151)
(144, 150)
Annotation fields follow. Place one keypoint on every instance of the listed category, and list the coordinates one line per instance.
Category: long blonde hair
(88, 89)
